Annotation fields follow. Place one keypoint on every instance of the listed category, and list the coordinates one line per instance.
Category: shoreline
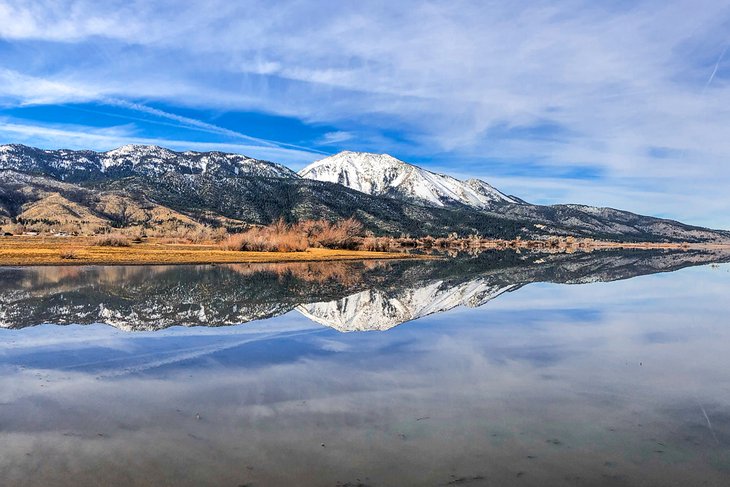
(546, 246)
(22, 251)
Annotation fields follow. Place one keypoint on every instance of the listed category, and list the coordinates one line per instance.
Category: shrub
(282, 237)
(112, 240)
(340, 235)
(408, 242)
(69, 254)
(428, 241)
(278, 237)
(234, 242)
(292, 243)
(441, 243)
(369, 243)
(377, 244)
(136, 233)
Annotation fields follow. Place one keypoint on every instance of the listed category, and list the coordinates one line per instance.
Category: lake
(500, 368)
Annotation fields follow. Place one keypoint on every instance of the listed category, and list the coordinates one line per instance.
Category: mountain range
(149, 185)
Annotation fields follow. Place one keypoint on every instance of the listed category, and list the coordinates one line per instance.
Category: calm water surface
(499, 369)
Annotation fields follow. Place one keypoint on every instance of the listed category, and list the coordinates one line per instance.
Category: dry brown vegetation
(343, 272)
(283, 237)
(322, 233)
(278, 237)
(379, 244)
(112, 240)
(37, 250)
(69, 253)
(174, 230)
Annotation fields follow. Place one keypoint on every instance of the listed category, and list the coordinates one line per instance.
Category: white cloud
(32, 90)
(335, 137)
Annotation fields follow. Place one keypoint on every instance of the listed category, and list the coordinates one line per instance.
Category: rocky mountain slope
(28, 198)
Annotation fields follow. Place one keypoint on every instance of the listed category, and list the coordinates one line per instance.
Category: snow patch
(384, 175)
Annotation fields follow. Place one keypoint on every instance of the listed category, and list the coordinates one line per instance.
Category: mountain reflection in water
(347, 296)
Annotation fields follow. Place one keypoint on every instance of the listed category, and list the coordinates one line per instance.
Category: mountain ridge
(215, 188)
(128, 160)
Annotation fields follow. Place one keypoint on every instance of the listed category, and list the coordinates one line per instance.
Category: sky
(623, 104)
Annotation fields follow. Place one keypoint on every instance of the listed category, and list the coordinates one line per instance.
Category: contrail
(191, 122)
(714, 70)
(72, 94)
(704, 89)
(180, 355)
(199, 124)
(709, 425)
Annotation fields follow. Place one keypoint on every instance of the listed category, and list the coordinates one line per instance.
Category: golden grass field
(35, 250)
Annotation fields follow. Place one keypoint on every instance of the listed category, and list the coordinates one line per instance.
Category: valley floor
(36, 250)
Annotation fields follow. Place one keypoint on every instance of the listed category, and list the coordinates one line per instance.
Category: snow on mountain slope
(134, 159)
(376, 309)
(384, 175)
(160, 160)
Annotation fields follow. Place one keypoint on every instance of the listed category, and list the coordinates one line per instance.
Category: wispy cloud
(23, 89)
(335, 137)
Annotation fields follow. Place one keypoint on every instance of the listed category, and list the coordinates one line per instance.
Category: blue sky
(622, 104)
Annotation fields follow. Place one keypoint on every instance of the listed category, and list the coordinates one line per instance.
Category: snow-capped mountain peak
(384, 175)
